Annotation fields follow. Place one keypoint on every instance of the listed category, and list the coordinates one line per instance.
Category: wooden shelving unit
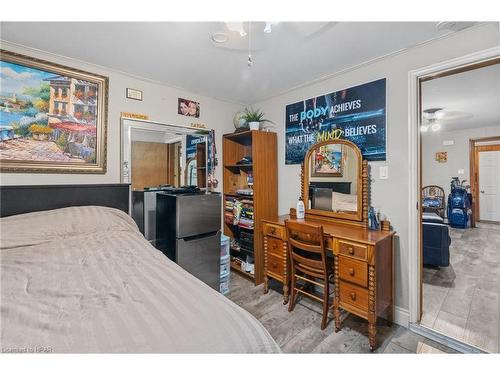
(261, 146)
(201, 165)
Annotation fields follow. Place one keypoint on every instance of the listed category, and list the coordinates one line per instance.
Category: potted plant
(254, 118)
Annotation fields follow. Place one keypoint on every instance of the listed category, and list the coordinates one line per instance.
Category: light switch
(448, 143)
(384, 172)
(461, 171)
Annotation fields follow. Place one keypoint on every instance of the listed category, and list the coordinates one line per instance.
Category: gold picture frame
(53, 117)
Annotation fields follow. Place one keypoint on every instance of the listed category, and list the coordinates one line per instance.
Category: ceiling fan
(433, 118)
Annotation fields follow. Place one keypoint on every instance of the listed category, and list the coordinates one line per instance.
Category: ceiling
(470, 99)
(182, 54)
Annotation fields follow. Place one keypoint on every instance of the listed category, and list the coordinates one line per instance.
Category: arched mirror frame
(361, 216)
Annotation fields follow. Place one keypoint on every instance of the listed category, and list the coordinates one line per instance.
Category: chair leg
(326, 293)
(293, 297)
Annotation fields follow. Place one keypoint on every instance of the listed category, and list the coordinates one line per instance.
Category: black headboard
(339, 187)
(22, 199)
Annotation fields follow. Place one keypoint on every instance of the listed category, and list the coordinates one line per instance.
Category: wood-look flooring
(463, 300)
(299, 331)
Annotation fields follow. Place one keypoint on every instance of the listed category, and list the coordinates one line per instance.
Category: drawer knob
(351, 271)
(273, 230)
(353, 296)
(350, 250)
(275, 265)
(274, 246)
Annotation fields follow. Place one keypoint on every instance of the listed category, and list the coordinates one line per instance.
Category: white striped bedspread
(84, 280)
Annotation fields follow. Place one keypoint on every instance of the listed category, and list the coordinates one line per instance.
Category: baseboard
(450, 342)
(401, 316)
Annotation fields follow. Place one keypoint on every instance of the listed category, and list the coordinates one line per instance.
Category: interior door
(149, 164)
(489, 185)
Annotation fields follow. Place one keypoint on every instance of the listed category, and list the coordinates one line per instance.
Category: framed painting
(53, 118)
(441, 157)
(328, 161)
(188, 107)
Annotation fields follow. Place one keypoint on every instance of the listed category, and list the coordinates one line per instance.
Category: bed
(84, 280)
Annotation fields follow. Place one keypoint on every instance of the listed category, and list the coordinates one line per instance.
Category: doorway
(485, 179)
(448, 301)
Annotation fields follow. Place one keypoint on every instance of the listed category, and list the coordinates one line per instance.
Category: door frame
(415, 78)
(474, 150)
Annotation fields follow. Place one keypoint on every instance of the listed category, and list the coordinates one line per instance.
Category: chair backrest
(306, 246)
(432, 191)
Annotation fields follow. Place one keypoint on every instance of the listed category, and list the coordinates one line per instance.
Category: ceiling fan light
(436, 126)
(424, 128)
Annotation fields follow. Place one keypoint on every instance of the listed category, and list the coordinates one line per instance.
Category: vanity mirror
(334, 181)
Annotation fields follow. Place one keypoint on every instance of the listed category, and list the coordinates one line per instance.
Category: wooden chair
(435, 194)
(309, 263)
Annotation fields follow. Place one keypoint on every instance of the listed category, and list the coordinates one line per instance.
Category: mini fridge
(188, 232)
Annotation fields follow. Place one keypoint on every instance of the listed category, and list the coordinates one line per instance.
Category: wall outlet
(384, 172)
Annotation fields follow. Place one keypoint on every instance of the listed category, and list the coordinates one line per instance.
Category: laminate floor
(463, 299)
(299, 331)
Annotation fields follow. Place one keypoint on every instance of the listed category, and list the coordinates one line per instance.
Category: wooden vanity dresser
(362, 258)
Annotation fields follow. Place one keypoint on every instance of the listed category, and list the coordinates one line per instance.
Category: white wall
(160, 103)
(435, 173)
(389, 195)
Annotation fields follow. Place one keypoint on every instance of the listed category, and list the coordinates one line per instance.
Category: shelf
(236, 266)
(239, 195)
(239, 166)
(239, 226)
(244, 137)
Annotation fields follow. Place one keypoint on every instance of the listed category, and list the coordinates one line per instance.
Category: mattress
(84, 280)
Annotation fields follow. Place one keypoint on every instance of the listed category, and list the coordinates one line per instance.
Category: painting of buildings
(48, 118)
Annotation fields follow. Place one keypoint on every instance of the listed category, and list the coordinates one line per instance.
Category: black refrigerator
(188, 232)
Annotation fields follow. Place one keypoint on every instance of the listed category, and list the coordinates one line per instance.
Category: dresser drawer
(275, 247)
(273, 230)
(275, 265)
(354, 271)
(352, 249)
(353, 295)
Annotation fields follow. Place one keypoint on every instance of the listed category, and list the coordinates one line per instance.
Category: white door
(489, 185)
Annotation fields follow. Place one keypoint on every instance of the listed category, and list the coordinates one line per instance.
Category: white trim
(442, 339)
(401, 316)
(413, 156)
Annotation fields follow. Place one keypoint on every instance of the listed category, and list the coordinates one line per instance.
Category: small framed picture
(188, 107)
(442, 157)
(134, 94)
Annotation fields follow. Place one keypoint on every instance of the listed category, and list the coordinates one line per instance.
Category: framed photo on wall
(441, 156)
(188, 107)
(53, 118)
